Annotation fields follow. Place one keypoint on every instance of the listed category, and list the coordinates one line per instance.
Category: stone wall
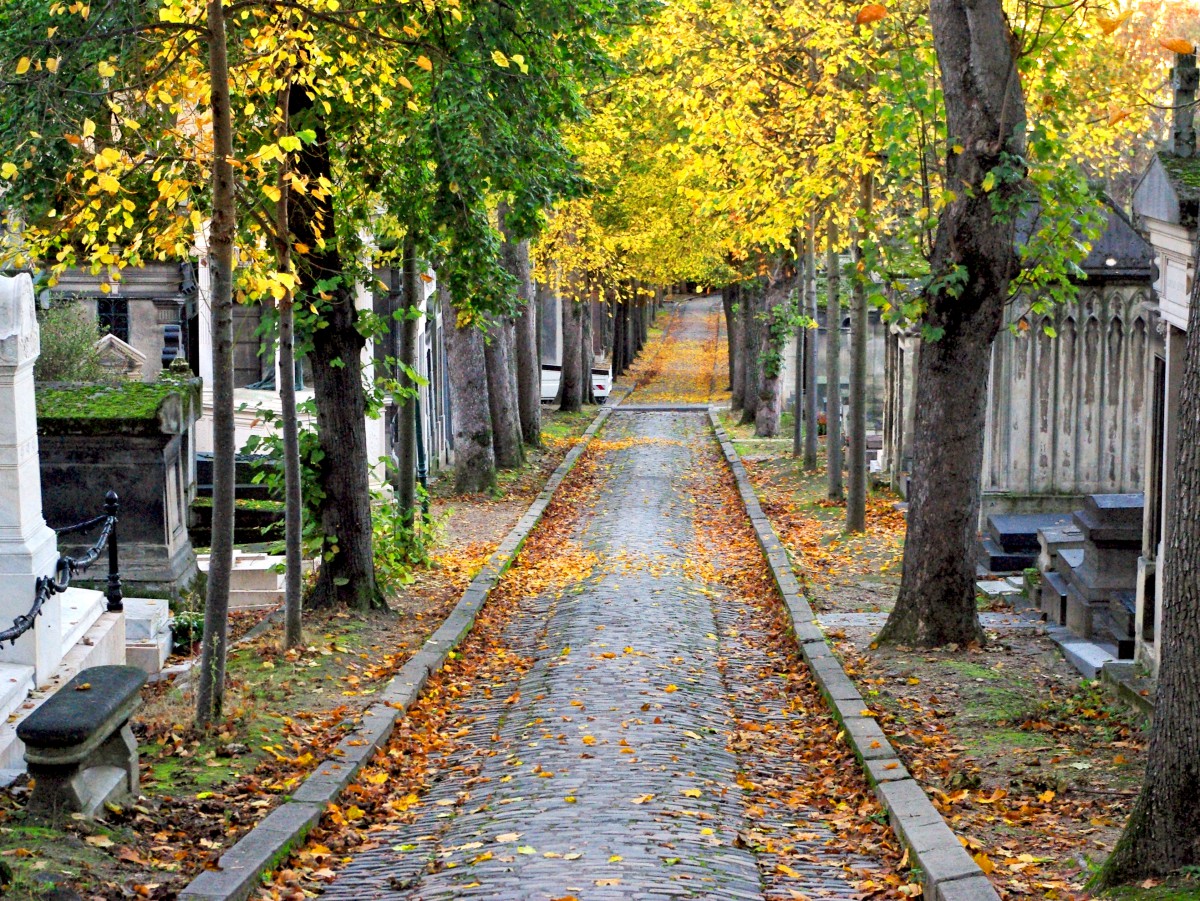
(1067, 414)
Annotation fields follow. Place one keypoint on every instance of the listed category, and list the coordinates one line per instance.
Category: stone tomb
(1099, 591)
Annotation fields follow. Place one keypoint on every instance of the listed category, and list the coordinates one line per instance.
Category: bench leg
(58, 791)
(110, 773)
(121, 751)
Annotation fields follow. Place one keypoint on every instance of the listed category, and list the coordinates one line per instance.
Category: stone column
(28, 547)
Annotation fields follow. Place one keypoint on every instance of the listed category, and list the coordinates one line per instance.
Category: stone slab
(973, 888)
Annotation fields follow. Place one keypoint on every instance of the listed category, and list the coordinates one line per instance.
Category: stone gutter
(949, 873)
(241, 867)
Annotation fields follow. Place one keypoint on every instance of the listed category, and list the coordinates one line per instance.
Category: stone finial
(1184, 77)
(19, 340)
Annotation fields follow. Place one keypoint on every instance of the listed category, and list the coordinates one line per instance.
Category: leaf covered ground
(200, 793)
(1033, 766)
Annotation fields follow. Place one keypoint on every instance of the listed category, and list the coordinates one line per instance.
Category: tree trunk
(572, 354)
(347, 573)
(618, 336)
(856, 498)
(586, 354)
(811, 404)
(737, 346)
(502, 395)
(1163, 831)
(799, 361)
(833, 364)
(406, 450)
(627, 311)
(973, 261)
(210, 691)
(772, 336)
(751, 297)
(528, 359)
(293, 500)
(730, 347)
(474, 457)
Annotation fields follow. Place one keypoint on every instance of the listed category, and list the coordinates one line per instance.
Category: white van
(552, 375)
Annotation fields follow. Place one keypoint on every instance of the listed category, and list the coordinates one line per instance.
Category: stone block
(973, 888)
(146, 618)
(912, 814)
(887, 769)
(947, 865)
(868, 739)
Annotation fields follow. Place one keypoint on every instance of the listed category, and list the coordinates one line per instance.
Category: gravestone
(1099, 585)
(28, 547)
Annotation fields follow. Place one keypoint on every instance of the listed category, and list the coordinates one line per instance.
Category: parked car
(552, 376)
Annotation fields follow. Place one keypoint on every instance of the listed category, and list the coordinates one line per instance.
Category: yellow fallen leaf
(506, 837)
(99, 841)
(691, 793)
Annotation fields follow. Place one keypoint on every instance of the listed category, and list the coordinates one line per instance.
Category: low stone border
(950, 874)
(264, 846)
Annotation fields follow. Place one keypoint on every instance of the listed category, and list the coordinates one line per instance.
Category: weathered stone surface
(973, 888)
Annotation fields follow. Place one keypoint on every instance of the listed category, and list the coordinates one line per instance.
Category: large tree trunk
(811, 403)
(737, 349)
(502, 395)
(586, 355)
(572, 353)
(770, 351)
(347, 573)
(210, 691)
(528, 359)
(856, 497)
(973, 261)
(474, 457)
(751, 297)
(1163, 832)
(833, 364)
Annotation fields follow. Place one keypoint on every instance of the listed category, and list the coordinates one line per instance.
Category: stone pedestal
(28, 548)
(1099, 590)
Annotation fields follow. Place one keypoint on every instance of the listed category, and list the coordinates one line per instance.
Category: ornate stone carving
(19, 341)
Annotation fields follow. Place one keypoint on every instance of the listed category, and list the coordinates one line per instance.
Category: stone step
(1109, 630)
(1069, 559)
(16, 682)
(251, 572)
(243, 599)
(1122, 610)
(149, 656)
(146, 619)
(81, 607)
(1018, 532)
(1054, 597)
(997, 560)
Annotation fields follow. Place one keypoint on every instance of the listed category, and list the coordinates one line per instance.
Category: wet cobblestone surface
(610, 768)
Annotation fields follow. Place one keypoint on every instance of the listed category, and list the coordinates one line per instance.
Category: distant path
(617, 766)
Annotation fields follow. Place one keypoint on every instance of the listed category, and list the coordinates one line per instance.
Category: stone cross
(28, 547)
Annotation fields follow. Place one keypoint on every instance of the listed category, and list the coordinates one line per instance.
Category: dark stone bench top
(73, 715)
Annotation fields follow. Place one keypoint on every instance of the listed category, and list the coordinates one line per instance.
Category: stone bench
(78, 744)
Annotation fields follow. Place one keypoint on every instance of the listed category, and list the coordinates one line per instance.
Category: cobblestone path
(619, 764)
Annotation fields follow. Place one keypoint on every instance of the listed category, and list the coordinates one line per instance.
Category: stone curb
(242, 865)
(950, 874)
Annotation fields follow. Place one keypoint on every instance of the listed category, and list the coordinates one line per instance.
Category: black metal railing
(67, 567)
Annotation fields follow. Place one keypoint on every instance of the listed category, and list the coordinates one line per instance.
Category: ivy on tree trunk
(973, 262)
